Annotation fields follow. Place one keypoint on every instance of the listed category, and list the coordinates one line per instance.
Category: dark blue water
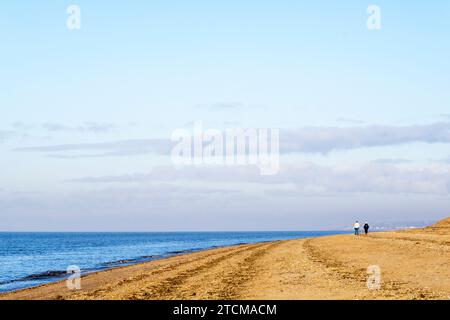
(29, 259)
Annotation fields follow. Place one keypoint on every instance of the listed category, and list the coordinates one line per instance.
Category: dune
(412, 264)
(445, 223)
(442, 226)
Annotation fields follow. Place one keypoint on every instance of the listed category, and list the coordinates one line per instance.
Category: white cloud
(5, 135)
(112, 148)
(303, 140)
(391, 161)
(93, 127)
(307, 178)
(221, 106)
(325, 140)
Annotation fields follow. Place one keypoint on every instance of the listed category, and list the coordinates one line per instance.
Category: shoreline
(54, 275)
(413, 264)
(133, 262)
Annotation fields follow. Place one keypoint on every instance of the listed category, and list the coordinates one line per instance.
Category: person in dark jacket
(366, 228)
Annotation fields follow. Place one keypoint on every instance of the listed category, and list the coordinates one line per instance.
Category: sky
(87, 114)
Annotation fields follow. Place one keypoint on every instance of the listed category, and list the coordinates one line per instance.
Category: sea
(33, 258)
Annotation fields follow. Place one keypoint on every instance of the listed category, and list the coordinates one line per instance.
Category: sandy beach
(414, 264)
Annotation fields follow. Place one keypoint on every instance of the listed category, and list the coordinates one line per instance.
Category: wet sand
(414, 264)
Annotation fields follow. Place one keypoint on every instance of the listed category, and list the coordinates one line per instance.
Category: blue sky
(83, 111)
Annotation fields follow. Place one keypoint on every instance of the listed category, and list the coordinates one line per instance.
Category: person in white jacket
(356, 227)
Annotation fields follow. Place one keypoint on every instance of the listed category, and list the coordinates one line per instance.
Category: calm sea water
(29, 259)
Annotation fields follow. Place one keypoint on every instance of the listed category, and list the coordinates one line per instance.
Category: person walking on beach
(356, 227)
(366, 228)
